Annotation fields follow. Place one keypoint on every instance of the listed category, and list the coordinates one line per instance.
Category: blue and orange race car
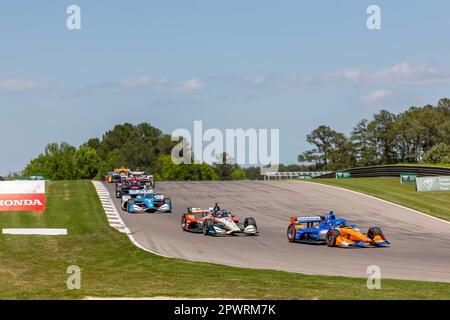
(334, 232)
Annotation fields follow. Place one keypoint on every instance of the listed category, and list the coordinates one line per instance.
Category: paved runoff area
(420, 245)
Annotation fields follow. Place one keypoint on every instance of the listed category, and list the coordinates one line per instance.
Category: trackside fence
(391, 171)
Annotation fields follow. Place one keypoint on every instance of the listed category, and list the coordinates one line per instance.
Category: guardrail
(391, 171)
(292, 175)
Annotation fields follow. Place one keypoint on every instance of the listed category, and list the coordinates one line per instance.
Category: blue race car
(334, 232)
(145, 200)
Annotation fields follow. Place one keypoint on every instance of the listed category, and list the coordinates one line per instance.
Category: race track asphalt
(420, 245)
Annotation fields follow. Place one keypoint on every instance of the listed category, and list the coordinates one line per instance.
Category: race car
(113, 177)
(137, 199)
(122, 171)
(211, 221)
(142, 177)
(334, 232)
(131, 183)
(123, 187)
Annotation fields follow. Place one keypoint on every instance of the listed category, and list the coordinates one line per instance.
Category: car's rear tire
(183, 222)
(168, 201)
(331, 237)
(291, 233)
(374, 231)
(206, 225)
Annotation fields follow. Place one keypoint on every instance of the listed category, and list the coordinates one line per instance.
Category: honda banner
(22, 195)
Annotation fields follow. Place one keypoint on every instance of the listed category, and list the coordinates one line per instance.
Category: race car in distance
(142, 177)
(126, 184)
(136, 199)
(334, 232)
(132, 182)
(216, 222)
(113, 177)
(122, 171)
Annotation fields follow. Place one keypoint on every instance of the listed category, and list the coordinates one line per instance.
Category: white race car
(222, 222)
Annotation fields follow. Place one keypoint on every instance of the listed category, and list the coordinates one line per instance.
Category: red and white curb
(109, 207)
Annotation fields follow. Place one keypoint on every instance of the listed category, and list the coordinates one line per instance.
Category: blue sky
(292, 65)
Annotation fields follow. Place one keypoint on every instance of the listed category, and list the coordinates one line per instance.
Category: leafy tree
(383, 135)
(226, 169)
(332, 149)
(365, 153)
(444, 103)
(237, 174)
(440, 153)
(57, 162)
(387, 138)
(87, 163)
(168, 170)
(93, 143)
(322, 138)
(138, 145)
(112, 161)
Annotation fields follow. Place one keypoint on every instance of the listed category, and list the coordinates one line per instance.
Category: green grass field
(34, 267)
(436, 203)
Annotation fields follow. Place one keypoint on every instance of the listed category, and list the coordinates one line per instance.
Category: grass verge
(435, 203)
(34, 267)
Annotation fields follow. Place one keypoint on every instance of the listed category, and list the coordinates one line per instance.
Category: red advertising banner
(22, 196)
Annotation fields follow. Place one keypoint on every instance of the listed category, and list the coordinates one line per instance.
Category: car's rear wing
(199, 210)
(306, 219)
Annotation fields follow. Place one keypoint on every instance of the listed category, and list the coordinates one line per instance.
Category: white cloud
(400, 74)
(22, 86)
(139, 82)
(163, 84)
(256, 79)
(190, 85)
(377, 96)
(404, 73)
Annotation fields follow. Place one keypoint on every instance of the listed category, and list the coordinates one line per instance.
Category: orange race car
(193, 220)
(122, 171)
(334, 232)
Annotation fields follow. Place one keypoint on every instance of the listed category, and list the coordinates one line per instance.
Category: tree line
(139, 147)
(418, 135)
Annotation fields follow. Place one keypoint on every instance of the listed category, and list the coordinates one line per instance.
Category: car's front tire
(130, 202)
(250, 222)
(331, 237)
(375, 231)
(291, 233)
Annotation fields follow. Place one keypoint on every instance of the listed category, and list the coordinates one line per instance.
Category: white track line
(392, 203)
(114, 216)
(36, 231)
